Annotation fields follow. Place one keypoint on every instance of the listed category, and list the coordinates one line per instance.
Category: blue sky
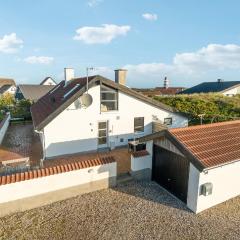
(190, 41)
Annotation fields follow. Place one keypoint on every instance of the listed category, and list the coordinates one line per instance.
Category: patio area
(20, 142)
(121, 155)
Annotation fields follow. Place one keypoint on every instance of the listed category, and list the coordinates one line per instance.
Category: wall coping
(44, 172)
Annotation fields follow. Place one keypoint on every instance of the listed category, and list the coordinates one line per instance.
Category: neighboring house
(48, 81)
(229, 88)
(73, 119)
(7, 86)
(158, 91)
(32, 92)
(200, 164)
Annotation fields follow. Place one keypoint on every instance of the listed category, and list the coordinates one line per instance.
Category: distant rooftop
(207, 87)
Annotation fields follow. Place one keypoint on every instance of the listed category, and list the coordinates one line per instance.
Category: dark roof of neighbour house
(7, 81)
(54, 102)
(208, 87)
(209, 145)
(34, 92)
(4, 88)
(45, 79)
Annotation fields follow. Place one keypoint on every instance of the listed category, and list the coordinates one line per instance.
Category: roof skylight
(69, 92)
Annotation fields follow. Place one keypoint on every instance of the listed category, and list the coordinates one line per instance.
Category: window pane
(107, 89)
(102, 140)
(139, 124)
(168, 121)
(109, 96)
(108, 106)
(102, 133)
(102, 125)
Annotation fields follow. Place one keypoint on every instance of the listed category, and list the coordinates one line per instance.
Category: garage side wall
(225, 182)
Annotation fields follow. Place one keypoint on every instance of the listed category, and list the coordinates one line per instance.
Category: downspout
(43, 146)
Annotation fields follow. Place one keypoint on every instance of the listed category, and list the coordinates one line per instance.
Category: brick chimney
(120, 76)
(68, 74)
(166, 83)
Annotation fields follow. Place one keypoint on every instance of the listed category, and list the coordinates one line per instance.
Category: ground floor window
(102, 133)
(139, 124)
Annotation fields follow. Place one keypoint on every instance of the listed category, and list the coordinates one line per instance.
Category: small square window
(168, 121)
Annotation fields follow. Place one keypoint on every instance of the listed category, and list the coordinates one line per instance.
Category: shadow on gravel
(151, 191)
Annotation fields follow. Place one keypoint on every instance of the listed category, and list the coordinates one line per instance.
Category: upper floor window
(109, 99)
(139, 124)
(168, 121)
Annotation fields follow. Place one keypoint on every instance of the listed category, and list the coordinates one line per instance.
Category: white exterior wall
(11, 90)
(38, 186)
(232, 92)
(49, 81)
(225, 182)
(144, 162)
(76, 130)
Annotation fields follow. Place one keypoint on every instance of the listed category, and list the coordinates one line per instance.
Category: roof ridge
(173, 130)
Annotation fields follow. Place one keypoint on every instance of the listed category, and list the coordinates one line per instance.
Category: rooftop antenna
(87, 70)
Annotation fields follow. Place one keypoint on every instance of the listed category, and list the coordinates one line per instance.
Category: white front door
(102, 134)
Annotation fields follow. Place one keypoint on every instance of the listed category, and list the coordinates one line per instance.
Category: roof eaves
(61, 108)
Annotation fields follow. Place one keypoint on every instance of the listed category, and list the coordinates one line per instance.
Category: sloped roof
(53, 103)
(4, 88)
(211, 144)
(207, 87)
(7, 81)
(34, 92)
(206, 146)
(45, 79)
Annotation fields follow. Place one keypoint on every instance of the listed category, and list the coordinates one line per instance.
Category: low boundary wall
(22, 191)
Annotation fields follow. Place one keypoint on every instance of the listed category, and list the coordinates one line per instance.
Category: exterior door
(103, 134)
(171, 171)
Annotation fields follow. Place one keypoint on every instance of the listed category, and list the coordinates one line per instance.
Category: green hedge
(215, 107)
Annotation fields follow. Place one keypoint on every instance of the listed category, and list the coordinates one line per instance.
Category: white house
(48, 81)
(79, 116)
(200, 164)
(7, 86)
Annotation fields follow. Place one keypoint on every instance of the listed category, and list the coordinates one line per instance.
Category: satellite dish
(86, 100)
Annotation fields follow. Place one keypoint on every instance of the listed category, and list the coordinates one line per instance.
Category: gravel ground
(137, 210)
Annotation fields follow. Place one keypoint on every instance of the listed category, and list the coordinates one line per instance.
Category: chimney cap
(120, 69)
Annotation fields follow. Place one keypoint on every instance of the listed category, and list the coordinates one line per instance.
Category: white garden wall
(47, 184)
(76, 130)
(225, 182)
(4, 127)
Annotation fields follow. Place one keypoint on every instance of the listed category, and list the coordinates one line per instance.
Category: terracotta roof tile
(140, 153)
(212, 144)
(73, 166)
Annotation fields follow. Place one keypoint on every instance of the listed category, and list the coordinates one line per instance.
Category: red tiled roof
(55, 98)
(140, 153)
(212, 144)
(18, 177)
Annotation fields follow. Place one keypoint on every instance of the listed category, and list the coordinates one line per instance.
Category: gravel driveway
(137, 210)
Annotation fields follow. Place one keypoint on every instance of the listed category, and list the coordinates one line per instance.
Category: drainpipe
(43, 146)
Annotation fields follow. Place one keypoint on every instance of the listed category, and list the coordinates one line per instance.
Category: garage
(199, 164)
(170, 170)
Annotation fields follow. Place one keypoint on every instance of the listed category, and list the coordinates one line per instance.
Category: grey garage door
(171, 171)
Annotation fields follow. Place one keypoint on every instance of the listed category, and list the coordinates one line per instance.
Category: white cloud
(104, 34)
(38, 60)
(212, 60)
(150, 16)
(10, 43)
(93, 3)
